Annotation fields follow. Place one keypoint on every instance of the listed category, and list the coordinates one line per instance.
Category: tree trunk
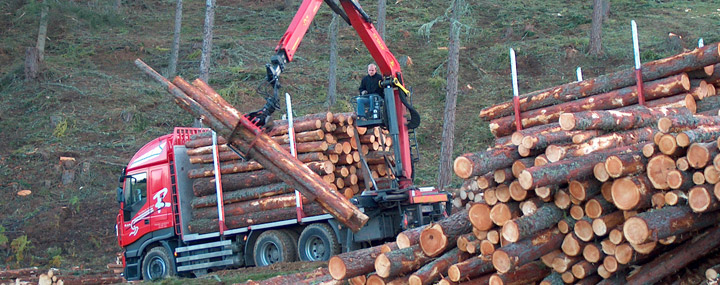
(684, 121)
(653, 70)
(438, 238)
(432, 271)
(42, 32)
(470, 268)
(665, 222)
(595, 46)
(32, 63)
(512, 256)
(224, 119)
(175, 50)
(206, 56)
(448, 133)
(382, 5)
(677, 258)
(354, 263)
(242, 208)
(612, 140)
(401, 261)
(240, 195)
(526, 226)
(332, 72)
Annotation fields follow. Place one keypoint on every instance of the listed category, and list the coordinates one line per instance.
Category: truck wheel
(272, 247)
(157, 264)
(318, 243)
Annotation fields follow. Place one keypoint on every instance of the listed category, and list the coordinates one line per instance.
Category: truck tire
(157, 264)
(274, 246)
(318, 243)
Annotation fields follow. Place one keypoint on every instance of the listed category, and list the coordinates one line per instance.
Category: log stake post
(293, 152)
(578, 71)
(516, 94)
(218, 185)
(638, 66)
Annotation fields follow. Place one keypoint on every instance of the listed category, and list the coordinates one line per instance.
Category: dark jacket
(371, 84)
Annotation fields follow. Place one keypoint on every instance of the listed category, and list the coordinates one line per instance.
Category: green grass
(90, 84)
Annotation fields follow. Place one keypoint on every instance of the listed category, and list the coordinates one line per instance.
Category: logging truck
(156, 226)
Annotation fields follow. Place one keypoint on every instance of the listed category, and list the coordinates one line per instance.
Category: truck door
(136, 211)
(159, 190)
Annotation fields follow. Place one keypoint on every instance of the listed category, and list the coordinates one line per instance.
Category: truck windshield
(135, 188)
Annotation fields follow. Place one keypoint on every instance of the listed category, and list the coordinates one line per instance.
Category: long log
(253, 218)
(442, 235)
(677, 258)
(517, 137)
(698, 135)
(432, 271)
(665, 222)
(526, 274)
(526, 226)
(470, 268)
(242, 195)
(479, 163)
(401, 261)
(228, 122)
(512, 256)
(682, 100)
(627, 118)
(16, 273)
(246, 207)
(611, 100)
(609, 141)
(561, 171)
(571, 91)
(681, 122)
(235, 166)
(354, 263)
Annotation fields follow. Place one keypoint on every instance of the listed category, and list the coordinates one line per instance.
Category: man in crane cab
(369, 85)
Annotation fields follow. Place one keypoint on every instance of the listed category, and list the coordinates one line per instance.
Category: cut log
(632, 193)
(479, 163)
(584, 189)
(563, 262)
(546, 192)
(675, 197)
(682, 100)
(502, 192)
(657, 169)
(409, 237)
(526, 274)
(608, 247)
(576, 212)
(530, 206)
(470, 268)
(562, 199)
(627, 118)
(566, 225)
(596, 207)
(601, 226)
(243, 195)
(401, 261)
(593, 253)
(17, 273)
(698, 135)
(682, 122)
(502, 175)
(479, 215)
(611, 100)
(677, 258)
(583, 269)
(432, 271)
(571, 91)
(712, 174)
(650, 149)
(526, 226)
(665, 222)
(600, 172)
(609, 141)
(625, 164)
(501, 213)
(463, 240)
(517, 137)
(517, 193)
(667, 144)
(677, 179)
(571, 245)
(253, 218)
(583, 229)
(701, 154)
(682, 164)
(354, 263)
(701, 199)
(442, 235)
(542, 140)
(512, 256)
(616, 236)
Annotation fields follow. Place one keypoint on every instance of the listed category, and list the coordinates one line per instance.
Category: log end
(664, 124)
(570, 246)
(674, 179)
(554, 153)
(600, 172)
(526, 180)
(690, 103)
(698, 156)
(614, 166)
(454, 273)
(636, 230)
(529, 141)
(648, 150)
(501, 261)
(567, 121)
(495, 280)
(432, 241)
(479, 215)
(593, 209)
(682, 140)
(415, 280)
(463, 167)
(382, 266)
(510, 231)
(667, 144)
(583, 230)
(685, 81)
(337, 268)
(625, 194)
(577, 190)
(599, 227)
(516, 138)
(403, 241)
(699, 199)
(592, 253)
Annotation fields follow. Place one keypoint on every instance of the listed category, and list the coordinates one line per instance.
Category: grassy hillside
(92, 104)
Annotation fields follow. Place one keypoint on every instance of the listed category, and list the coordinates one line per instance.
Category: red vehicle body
(156, 192)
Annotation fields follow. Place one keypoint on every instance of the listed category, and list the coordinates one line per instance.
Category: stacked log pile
(325, 142)
(33, 275)
(595, 187)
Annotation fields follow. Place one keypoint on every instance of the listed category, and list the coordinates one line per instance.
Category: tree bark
(354, 263)
(627, 118)
(526, 274)
(42, 32)
(514, 255)
(479, 163)
(525, 226)
(627, 96)
(653, 70)
(175, 50)
(401, 261)
(432, 271)
(665, 222)
(32, 63)
(625, 164)
(470, 268)
(609, 141)
(601, 226)
(409, 237)
(206, 56)
(448, 133)
(677, 258)
(382, 5)
(595, 46)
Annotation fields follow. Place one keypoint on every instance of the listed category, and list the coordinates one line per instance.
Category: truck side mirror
(120, 198)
